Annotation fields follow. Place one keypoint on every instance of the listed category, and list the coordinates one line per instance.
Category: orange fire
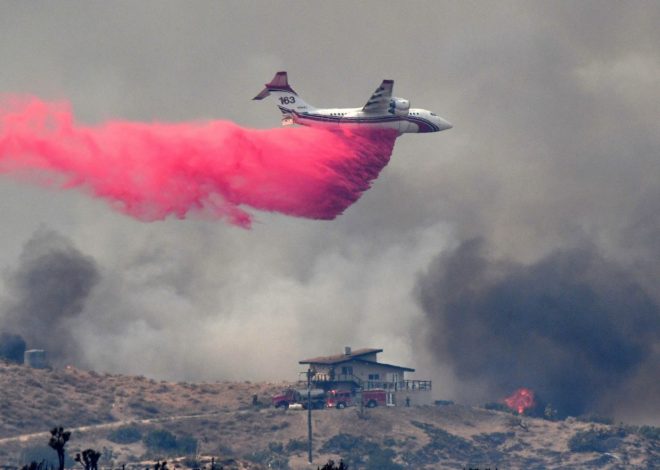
(521, 400)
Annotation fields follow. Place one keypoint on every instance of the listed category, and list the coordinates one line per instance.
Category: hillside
(129, 417)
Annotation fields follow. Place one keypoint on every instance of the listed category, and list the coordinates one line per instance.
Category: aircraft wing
(380, 100)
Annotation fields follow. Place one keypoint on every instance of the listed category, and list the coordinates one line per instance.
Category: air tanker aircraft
(381, 111)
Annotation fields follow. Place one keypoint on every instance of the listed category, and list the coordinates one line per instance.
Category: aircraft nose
(444, 124)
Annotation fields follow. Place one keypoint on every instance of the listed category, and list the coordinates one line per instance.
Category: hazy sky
(555, 145)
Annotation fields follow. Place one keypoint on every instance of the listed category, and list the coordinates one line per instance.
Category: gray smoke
(555, 141)
(47, 294)
(572, 326)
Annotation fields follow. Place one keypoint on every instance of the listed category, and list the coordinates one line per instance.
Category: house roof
(339, 358)
(356, 355)
(407, 369)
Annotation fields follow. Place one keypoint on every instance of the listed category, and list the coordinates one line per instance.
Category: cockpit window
(433, 114)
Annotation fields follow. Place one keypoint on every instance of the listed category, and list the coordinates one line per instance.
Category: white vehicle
(382, 111)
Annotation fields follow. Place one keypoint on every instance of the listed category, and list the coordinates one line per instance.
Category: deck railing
(408, 385)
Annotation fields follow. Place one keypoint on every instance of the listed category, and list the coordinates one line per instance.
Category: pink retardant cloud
(153, 170)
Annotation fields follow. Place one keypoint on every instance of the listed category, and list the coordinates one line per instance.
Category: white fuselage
(382, 110)
(415, 121)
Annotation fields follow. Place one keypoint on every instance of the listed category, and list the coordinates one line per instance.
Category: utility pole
(309, 415)
(361, 402)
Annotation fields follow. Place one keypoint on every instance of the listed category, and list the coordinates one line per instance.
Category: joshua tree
(35, 466)
(89, 459)
(58, 439)
(331, 466)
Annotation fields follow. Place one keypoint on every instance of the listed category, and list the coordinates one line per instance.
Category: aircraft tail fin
(280, 82)
(289, 101)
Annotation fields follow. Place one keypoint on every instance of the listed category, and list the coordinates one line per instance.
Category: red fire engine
(342, 398)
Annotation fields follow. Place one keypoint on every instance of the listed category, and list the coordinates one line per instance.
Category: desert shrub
(550, 413)
(209, 389)
(52, 401)
(493, 439)
(442, 445)
(186, 444)
(225, 450)
(596, 440)
(163, 441)
(191, 463)
(389, 442)
(595, 419)
(649, 432)
(125, 435)
(603, 461)
(441, 439)
(443, 402)
(160, 440)
(43, 453)
(269, 459)
(355, 449)
(107, 455)
(276, 447)
(33, 383)
(381, 459)
(278, 426)
(144, 406)
(346, 443)
(494, 406)
(259, 456)
(296, 445)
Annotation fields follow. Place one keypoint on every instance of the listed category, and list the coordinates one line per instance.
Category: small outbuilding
(35, 358)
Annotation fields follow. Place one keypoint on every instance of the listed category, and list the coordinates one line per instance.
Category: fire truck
(292, 396)
(342, 398)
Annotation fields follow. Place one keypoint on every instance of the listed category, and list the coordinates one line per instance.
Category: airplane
(382, 111)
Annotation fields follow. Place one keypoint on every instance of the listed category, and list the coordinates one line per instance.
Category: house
(359, 369)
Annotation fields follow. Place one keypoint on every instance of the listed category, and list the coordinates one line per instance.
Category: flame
(521, 400)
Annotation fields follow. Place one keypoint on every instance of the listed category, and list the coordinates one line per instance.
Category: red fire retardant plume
(521, 400)
(152, 171)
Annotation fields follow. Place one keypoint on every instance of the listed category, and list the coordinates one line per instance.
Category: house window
(374, 376)
(347, 370)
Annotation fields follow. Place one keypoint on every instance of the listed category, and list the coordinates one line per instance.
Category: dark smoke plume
(572, 326)
(12, 347)
(47, 293)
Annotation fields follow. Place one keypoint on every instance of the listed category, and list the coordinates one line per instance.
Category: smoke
(47, 294)
(572, 326)
(12, 347)
(556, 141)
(151, 171)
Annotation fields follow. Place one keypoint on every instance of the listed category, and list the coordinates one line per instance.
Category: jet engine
(399, 106)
